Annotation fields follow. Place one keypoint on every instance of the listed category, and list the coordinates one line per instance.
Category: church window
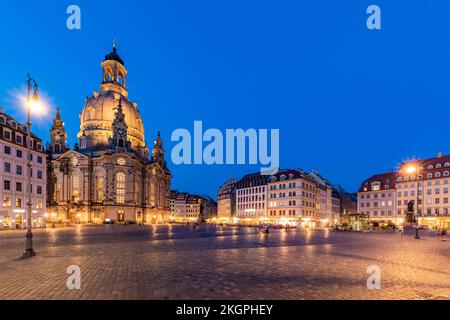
(76, 187)
(74, 161)
(120, 187)
(100, 186)
(83, 144)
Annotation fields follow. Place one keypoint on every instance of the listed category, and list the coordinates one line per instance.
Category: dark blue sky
(348, 101)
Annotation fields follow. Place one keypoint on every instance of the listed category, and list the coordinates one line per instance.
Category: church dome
(98, 114)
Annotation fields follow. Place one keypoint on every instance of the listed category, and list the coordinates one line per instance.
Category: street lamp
(411, 170)
(32, 102)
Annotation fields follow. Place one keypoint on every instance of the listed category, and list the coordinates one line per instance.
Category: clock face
(120, 132)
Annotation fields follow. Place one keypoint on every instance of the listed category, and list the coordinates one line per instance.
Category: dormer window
(2, 120)
(437, 174)
(430, 166)
(438, 166)
(14, 124)
(376, 186)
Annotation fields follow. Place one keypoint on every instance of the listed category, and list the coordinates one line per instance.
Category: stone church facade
(109, 175)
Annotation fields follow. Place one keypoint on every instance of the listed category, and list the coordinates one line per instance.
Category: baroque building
(13, 175)
(418, 189)
(109, 175)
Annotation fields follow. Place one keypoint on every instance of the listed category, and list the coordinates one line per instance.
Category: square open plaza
(176, 262)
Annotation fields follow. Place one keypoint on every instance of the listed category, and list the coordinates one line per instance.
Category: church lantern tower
(114, 73)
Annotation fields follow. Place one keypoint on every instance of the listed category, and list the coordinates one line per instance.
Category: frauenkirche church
(109, 175)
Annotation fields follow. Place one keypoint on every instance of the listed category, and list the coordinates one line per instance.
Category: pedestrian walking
(400, 230)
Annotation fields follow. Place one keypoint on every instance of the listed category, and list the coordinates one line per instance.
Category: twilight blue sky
(348, 101)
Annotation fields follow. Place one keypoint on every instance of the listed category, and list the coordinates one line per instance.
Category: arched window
(109, 75)
(120, 79)
(121, 144)
(57, 148)
(100, 184)
(76, 187)
(120, 187)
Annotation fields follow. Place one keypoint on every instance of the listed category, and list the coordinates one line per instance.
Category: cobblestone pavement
(173, 262)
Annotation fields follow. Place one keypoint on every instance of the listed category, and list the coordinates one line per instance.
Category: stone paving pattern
(174, 262)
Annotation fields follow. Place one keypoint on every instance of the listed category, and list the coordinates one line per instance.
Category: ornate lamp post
(32, 98)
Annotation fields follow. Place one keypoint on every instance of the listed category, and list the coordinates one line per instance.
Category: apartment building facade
(226, 201)
(14, 177)
(251, 198)
(292, 199)
(191, 208)
(419, 188)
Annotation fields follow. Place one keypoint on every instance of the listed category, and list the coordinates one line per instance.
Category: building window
(39, 159)
(7, 185)
(39, 190)
(7, 167)
(76, 187)
(7, 135)
(6, 201)
(7, 150)
(121, 161)
(18, 202)
(39, 174)
(100, 185)
(19, 153)
(120, 187)
(19, 186)
(19, 170)
(39, 204)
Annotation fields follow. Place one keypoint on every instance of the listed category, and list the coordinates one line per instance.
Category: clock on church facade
(109, 175)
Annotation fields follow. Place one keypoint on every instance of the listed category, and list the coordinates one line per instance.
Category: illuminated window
(120, 187)
(7, 202)
(121, 161)
(376, 186)
(100, 186)
(76, 187)
(74, 161)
